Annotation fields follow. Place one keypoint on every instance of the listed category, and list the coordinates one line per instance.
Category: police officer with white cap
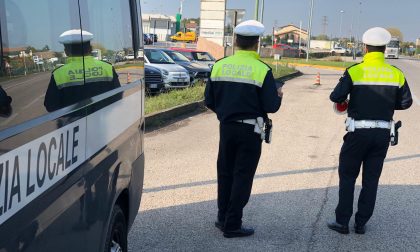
(82, 76)
(375, 89)
(241, 91)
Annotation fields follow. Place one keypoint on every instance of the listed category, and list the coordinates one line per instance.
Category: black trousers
(239, 153)
(367, 147)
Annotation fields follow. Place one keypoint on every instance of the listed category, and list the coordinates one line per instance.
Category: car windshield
(203, 56)
(176, 56)
(188, 55)
(394, 44)
(158, 57)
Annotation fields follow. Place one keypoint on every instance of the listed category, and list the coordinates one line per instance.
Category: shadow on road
(284, 221)
(266, 175)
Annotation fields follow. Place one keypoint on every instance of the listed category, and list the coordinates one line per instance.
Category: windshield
(203, 56)
(394, 44)
(176, 56)
(158, 57)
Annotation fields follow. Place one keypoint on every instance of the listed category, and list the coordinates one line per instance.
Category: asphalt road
(295, 188)
(28, 94)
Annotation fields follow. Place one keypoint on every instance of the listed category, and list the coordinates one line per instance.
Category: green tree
(395, 32)
(46, 48)
(267, 39)
(321, 37)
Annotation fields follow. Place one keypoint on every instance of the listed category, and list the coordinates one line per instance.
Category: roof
(289, 28)
(16, 49)
(146, 17)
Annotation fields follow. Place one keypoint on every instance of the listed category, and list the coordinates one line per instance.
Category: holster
(268, 130)
(394, 132)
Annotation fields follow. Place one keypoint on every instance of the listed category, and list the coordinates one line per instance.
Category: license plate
(153, 86)
(180, 80)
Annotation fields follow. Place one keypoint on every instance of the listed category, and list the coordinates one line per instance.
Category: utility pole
(181, 7)
(257, 8)
(309, 31)
(262, 12)
(324, 25)
(300, 34)
(341, 23)
(274, 31)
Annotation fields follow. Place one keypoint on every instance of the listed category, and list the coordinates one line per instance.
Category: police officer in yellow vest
(82, 76)
(376, 90)
(241, 91)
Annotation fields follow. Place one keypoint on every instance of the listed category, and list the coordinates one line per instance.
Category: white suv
(174, 76)
(338, 50)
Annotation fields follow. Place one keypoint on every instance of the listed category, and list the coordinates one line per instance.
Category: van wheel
(116, 238)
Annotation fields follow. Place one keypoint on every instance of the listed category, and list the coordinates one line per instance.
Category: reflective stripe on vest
(72, 74)
(243, 67)
(375, 71)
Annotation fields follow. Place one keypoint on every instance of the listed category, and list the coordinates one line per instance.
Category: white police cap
(75, 37)
(376, 36)
(249, 28)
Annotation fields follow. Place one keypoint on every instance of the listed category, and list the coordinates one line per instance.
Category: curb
(163, 118)
(318, 66)
(166, 117)
(290, 76)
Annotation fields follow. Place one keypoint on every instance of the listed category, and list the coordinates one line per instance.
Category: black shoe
(220, 225)
(240, 232)
(359, 229)
(338, 227)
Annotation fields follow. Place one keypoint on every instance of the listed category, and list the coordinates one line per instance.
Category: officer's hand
(280, 92)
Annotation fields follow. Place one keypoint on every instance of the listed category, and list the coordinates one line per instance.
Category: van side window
(109, 21)
(30, 51)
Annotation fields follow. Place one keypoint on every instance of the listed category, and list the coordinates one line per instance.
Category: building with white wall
(161, 25)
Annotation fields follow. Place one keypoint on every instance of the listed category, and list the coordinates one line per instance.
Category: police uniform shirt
(241, 87)
(376, 89)
(69, 84)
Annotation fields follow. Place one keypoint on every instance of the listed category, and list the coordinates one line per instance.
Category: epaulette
(397, 68)
(57, 68)
(265, 64)
(106, 62)
(355, 64)
(221, 59)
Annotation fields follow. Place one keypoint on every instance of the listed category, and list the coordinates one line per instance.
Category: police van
(71, 129)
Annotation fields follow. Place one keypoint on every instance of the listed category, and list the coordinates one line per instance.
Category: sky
(403, 14)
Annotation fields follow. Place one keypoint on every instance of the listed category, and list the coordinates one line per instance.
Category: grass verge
(335, 63)
(175, 98)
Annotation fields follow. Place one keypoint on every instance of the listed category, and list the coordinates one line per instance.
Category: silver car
(174, 75)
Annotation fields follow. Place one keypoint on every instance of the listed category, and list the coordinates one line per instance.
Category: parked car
(153, 79)
(283, 46)
(339, 50)
(174, 76)
(196, 70)
(129, 56)
(201, 57)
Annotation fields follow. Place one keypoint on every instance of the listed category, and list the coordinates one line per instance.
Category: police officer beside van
(376, 90)
(82, 76)
(241, 91)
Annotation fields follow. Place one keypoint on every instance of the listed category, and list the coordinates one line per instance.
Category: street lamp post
(309, 30)
(257, 8)
(341, 23)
